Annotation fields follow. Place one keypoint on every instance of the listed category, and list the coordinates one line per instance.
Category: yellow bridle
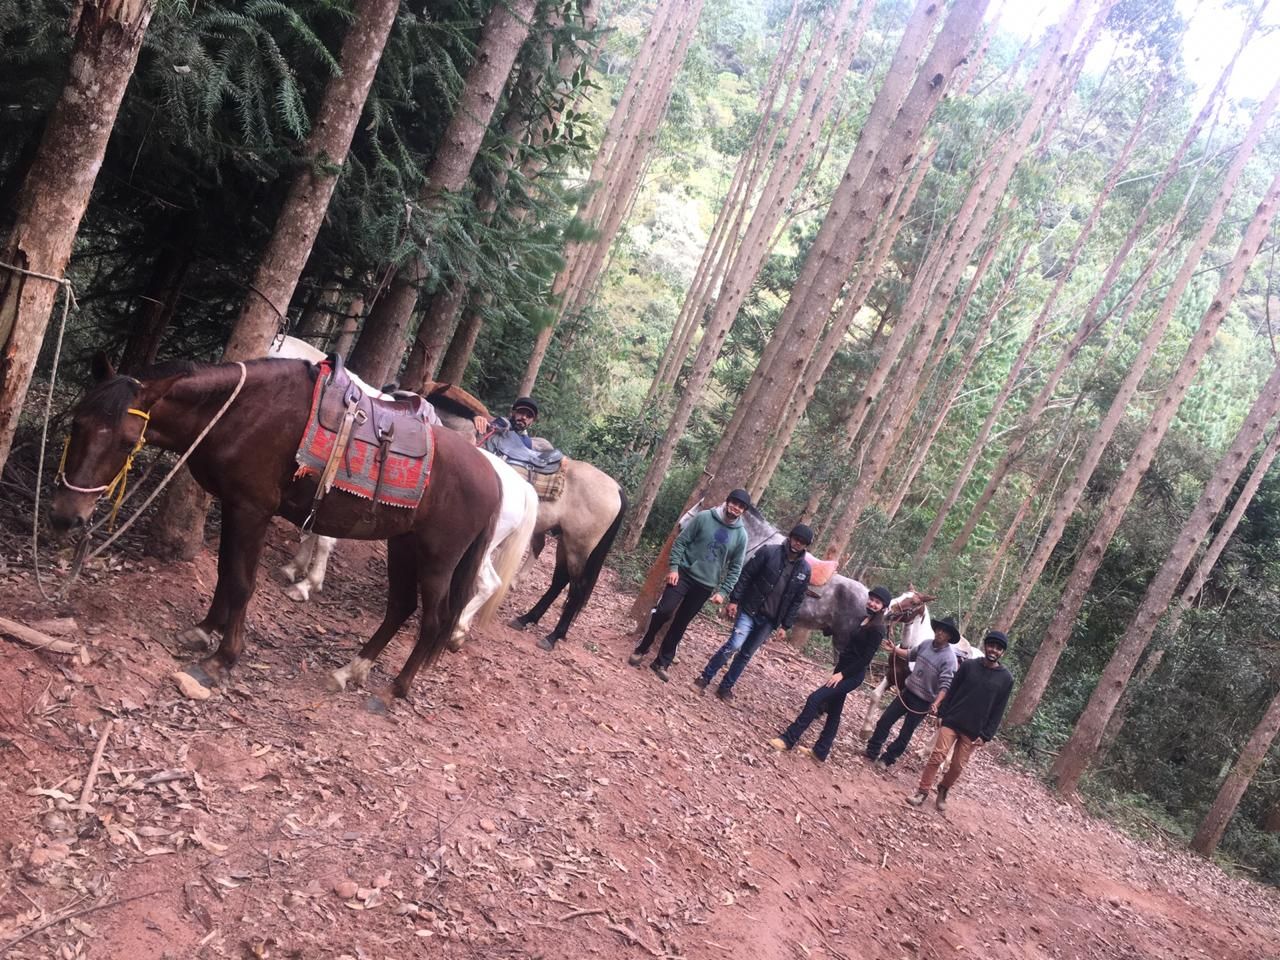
(115, 489)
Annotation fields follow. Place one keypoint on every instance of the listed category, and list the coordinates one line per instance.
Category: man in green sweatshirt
(705, 562)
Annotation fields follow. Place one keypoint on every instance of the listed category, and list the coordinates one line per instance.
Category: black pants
(919, 708)
(679, 604)
(828, 700)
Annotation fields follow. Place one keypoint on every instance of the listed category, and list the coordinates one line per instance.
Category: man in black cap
(524, 412)
(706, 560)
(851, 668)
(970, 713)
(767, 598)
(920, 695)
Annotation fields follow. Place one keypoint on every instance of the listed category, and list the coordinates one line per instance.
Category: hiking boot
(661, 671)
(724, 693)
(920, 797)
(701, 683)
(636, 659)
(941, 802)
(546, 643)
(779, 744)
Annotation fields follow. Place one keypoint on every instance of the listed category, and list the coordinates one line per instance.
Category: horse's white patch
(356, 673)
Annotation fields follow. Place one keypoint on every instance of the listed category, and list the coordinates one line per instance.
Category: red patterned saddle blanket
(377, 450)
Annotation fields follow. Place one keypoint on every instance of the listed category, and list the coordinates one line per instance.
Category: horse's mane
(111, 398)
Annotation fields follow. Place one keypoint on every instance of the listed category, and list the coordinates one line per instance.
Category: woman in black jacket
(850, 671)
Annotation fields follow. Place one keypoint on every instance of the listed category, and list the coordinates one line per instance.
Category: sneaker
(805, 752)
(661, 671)
(636, 659)
(779, 744)
(701, 683)
(724, 693)
(920, 797)
(941, 802)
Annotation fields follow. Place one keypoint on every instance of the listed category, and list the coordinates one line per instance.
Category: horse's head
(107, 428)
(909, 607)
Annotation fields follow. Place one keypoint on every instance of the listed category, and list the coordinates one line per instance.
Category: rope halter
(116, 488)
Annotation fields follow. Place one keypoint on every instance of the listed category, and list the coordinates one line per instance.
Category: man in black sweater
(767, 598)
(970, 716)
(851, 668)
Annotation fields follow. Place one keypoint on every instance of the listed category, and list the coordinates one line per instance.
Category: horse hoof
(456, 641)
(548, 642)
(289, 572)
(378, 706)
(518, 623)
(196, 638)
(298, 591)
(335, 683)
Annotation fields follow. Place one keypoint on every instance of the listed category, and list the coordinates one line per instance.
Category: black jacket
(975, 703)
(861, 649)
(758, 579)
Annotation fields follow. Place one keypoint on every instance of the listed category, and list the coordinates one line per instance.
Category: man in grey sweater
(935, 665)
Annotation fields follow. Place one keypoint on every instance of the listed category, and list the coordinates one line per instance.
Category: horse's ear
(101, 367)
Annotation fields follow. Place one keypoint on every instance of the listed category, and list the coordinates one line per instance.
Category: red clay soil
(522, 804)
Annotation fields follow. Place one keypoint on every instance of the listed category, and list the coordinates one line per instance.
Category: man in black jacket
(851, 668)
(970, 716)
(767, 597)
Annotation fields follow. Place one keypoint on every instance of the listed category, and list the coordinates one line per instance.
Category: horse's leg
(579, 590)
(487, 584)
(536, 543)
(869, 721)
(559, 580)
(402, 600)
(313, 582)
(301, 559)
(244, 529)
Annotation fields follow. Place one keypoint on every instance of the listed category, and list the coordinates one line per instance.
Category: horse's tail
(462, 586)
(508, 554)
(595, 562)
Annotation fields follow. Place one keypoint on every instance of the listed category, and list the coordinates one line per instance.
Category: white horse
(511, 535)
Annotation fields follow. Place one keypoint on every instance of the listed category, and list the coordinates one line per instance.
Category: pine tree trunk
(1075, 757)
(323, 155)
(1090, 320)
(1033, 685)
(1214, 825)
(349, 328)
(55, 193)
(1055, 640)
(159, 299)
(504, 31)
(1271, 823)
(439, 320)
(834, 48)
(454, 365)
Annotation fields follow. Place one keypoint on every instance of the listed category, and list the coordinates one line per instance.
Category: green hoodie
(711, 550)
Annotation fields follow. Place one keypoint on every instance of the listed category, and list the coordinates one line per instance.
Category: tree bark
(1214, 825)
(1034, 683)
(504, 31)
(281, 264)
(55, 193)
(835, 46)
(1055, 640)
(1090, 318)
(159, 299)
(349, 328)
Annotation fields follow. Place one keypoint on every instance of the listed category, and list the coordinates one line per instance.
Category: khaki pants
(942, 744)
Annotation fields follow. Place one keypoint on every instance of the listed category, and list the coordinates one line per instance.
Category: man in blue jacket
(767, 598)
(705, 562)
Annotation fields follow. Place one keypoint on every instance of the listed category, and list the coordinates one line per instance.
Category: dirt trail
(523, 805)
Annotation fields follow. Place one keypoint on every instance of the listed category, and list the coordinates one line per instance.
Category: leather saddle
(401, 426)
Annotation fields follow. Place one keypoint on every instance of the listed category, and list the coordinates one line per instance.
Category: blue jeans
(748, 636)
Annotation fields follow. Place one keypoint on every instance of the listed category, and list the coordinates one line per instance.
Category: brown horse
(247, 461)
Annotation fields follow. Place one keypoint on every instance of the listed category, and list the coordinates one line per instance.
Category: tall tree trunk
(304, 208)
(159, 299)
(984, 197)
(1055, 640)
(834, 47)
(1214, 825)
(1033, 685)
(1075, 757)
(350, 327)
(55, 193)
(1090, 318)
(623, 156)
(1118, 168)
(377, 353)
